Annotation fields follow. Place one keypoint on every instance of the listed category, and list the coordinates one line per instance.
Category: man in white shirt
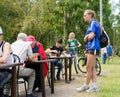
(22, 49)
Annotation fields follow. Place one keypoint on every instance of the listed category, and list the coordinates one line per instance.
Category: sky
(115, 9)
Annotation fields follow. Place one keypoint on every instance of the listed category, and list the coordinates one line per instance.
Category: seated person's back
(23, 49)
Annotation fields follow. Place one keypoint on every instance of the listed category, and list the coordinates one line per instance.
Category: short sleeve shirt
(59, 50)
(72, 45)
(22, 49)
(109, 49)
(93, 43)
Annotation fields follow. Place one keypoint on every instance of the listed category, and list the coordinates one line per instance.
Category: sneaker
(82, 88)
(6, 96)
(92, 89)
(38, 89)
(58, 77)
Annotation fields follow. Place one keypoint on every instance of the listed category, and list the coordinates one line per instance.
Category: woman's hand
(86, 38)
(89, 37)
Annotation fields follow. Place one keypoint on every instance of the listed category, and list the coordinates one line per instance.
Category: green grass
(109, 81)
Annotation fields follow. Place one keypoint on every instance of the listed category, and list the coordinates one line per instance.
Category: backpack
(104, 39)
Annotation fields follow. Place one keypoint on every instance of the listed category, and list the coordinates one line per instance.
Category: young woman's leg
(89, 67)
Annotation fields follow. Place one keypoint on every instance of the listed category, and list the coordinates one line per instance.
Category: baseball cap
(30, 39)
(1, 32)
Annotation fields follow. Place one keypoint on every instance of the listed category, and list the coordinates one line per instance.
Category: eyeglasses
(1, 34)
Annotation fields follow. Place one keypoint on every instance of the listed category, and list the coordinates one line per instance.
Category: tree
(11, 16)
(48, 20)
(115, 19)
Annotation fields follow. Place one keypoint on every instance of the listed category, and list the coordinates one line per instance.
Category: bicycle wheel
(82, 65)
(98, 67)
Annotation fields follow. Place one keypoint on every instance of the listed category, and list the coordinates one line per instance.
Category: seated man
(22, 49)
(39, 54)
(56, 50)
(5, 57)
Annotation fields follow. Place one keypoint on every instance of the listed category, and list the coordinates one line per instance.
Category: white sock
(95, 85)
(86, 85)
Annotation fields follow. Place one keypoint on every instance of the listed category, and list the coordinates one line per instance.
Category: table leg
(14, 82)
(42, 80)
(66, 63)
(52, 77)
(70, 68)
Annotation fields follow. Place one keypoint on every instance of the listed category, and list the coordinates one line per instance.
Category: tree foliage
(48, 20)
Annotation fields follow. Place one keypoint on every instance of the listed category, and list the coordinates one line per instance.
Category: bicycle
(82, 65)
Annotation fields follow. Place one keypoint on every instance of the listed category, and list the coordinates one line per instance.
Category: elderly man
(39, 53)
(21, 48)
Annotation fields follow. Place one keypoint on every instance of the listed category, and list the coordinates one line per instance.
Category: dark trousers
(104, 58)
(5, 76)
(37, 81)
(59, 64)
(1, 92)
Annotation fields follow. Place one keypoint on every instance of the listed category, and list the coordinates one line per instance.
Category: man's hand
(54, 51)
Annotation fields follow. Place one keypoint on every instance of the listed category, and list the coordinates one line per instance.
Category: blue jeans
(4, 77)
(59, 64)
(104, 58)
(75, 60)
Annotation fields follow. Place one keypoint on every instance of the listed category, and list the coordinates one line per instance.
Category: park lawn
(109, 81)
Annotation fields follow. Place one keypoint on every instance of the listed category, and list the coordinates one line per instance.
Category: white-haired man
(21, 48)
